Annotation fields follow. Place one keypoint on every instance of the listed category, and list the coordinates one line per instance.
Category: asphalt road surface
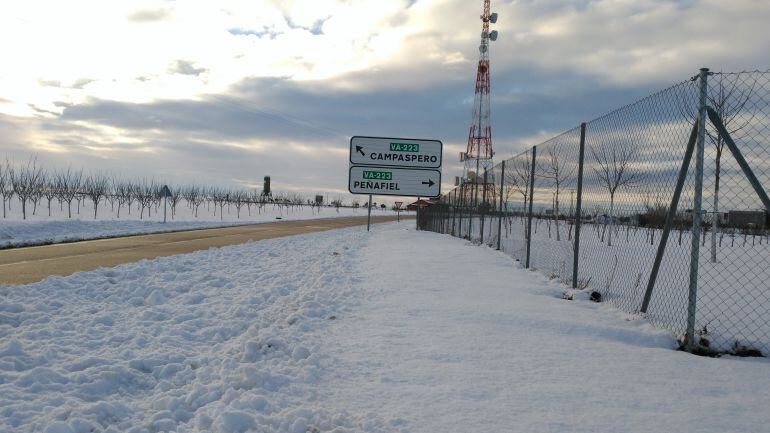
(28, 265)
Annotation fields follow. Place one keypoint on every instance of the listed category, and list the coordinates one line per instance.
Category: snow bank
(40, 229)
(223, 340)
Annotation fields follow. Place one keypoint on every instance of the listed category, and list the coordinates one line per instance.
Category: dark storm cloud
(213, 136)
(310, 111)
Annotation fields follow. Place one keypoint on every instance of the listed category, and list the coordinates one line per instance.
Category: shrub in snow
(596, 296)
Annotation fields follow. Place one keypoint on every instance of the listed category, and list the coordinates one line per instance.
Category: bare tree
(337, 204)
(728, 103)
(123, 191)
(194, 196)
(614, 173)
(111, 195)
(132, 194)
(144, 193)
(521, 174)
(259, 200)
(96, 187)
(50, 190)
(220, 197)
(68, 186)
(37, 190)
(560, 174)
(511, 182)
(239, 198)
(6, 188)
(174, 199)
(25, 181)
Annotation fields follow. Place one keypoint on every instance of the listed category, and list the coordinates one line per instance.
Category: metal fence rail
(660, 206)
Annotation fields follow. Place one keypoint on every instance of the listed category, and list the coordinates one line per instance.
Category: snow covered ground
(41, 229)
(344, 331)
(733, 303)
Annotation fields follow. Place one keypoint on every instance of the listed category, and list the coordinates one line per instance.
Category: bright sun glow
(152, 50)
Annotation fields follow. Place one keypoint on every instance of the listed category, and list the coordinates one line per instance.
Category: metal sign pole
(164, 208)
(369, 213)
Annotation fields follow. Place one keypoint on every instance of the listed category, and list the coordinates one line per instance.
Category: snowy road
(395, 331)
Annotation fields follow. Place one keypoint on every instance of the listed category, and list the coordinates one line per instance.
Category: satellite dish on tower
(493, 35)
(493, 17)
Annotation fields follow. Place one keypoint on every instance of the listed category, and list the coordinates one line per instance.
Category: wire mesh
(515, 193)
(734, 266)
(553, 214)
(632, 160)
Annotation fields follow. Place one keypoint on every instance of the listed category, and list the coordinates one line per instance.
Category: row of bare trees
(34, 186)
(610, 166)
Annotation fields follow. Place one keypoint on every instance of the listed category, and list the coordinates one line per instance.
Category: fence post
(470, 213)
(460, 205)
(579, 206)
(445, 214)
(531, 196)
(696, 213)
(482, 213)
(500, 206)
(454, 210)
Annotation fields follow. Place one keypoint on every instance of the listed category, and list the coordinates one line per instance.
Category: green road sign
(394, 181)
(395, 152)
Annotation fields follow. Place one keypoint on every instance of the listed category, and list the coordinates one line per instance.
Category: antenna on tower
(478, 156)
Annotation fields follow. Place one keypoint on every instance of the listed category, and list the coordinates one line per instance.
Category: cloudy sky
(225, 92)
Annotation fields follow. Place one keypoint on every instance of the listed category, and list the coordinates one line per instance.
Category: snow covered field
(733, 294)
(344, 331)
(41, 229)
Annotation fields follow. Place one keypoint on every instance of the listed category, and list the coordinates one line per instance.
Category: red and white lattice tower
(478, 156)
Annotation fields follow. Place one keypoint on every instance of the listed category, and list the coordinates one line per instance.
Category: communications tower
(478, 155)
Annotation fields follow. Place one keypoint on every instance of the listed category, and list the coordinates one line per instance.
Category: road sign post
(165, 192)
(369, 213)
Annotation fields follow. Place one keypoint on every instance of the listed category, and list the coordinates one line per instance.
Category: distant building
(422, 203)
(747, 218)
(605, 219)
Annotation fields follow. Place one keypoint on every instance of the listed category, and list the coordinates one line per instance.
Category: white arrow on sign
(395, 152)
(394, 181)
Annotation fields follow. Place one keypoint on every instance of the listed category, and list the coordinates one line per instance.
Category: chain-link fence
(638, 193)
